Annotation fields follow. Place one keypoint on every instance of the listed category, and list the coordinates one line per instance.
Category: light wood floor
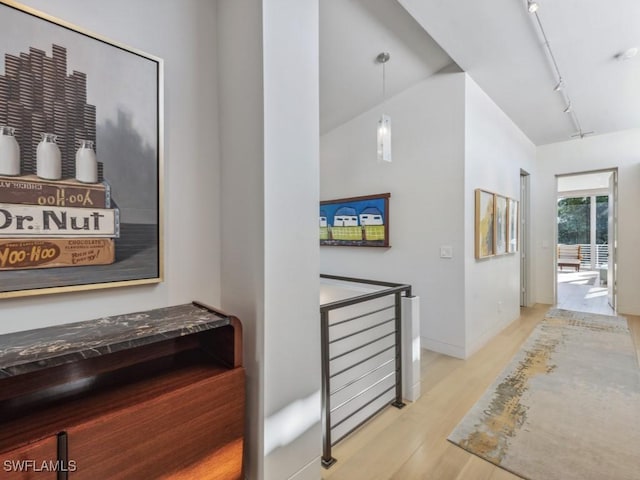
(411, 443)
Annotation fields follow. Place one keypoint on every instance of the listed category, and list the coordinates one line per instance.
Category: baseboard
(310, 471)
(545, 301)
(442, 347)
(487, 336)
(413, 393)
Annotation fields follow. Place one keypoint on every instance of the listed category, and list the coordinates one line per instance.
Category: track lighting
(560, 86)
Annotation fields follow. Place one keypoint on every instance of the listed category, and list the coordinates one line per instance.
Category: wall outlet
(446, 251)
(499, 306)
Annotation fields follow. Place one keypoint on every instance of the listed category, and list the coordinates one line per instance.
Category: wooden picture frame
(513, 226)
(61, 235)
(484, 224)
(356, 221)
(500, 224)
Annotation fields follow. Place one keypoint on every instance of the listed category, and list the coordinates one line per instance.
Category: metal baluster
(327, 459)
(398, 403)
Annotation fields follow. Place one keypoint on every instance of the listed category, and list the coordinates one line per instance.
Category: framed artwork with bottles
(81, 142)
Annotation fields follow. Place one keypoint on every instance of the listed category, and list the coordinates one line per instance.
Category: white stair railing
(601, 255)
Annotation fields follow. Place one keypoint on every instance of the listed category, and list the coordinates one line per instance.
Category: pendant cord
(383, 58)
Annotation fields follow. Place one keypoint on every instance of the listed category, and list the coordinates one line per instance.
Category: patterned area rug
(566, 407)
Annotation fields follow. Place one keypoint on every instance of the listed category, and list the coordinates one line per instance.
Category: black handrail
(393, 288)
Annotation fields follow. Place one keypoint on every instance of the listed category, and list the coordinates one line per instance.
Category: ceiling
(352, 34)
(498, 43)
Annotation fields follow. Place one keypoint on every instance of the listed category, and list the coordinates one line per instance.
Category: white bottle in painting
(49, 164)
(86, 163)
(9, 152)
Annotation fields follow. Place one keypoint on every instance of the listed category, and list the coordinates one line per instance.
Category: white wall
(181, 34)
(269, 135)
(241, 134)
(292, 284)
(620, 149)
(495, 152)
(449, 138)
(426, 180)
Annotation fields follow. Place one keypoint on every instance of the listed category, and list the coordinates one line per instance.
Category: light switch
(446, 251)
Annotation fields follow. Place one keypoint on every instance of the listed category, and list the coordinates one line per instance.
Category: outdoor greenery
(574, 220)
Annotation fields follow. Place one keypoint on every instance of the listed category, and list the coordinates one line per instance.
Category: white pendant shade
(384, 139)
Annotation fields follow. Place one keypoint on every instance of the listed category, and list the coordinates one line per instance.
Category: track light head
(532, 6)
(580, 134)
(559, 86)
(568, 109)
(383, 57)
(627, 54)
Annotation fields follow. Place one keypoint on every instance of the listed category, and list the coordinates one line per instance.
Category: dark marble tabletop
(31, 350)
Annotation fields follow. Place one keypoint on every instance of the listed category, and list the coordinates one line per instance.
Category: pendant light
(384, 124)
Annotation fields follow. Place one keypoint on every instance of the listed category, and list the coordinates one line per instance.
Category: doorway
(524, 239)
(586, 239)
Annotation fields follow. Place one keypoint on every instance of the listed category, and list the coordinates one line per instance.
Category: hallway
(412, 443)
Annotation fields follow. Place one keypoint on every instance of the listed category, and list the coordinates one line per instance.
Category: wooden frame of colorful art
(484, 224)
(355, 221)
(513, 226)
(500, 223)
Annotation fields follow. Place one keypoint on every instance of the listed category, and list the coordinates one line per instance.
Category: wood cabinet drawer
(192, 432)
(35, 461)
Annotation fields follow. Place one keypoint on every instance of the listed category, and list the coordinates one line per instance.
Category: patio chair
(569, 256)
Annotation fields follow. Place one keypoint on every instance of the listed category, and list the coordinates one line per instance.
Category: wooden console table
(149, 395)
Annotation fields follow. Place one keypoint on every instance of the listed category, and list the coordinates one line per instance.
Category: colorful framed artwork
(356, 221)
(484, 224)
(500, 223)
(513, 214)
(80, 158)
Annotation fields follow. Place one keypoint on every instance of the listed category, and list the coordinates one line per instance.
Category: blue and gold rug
(566, 407)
